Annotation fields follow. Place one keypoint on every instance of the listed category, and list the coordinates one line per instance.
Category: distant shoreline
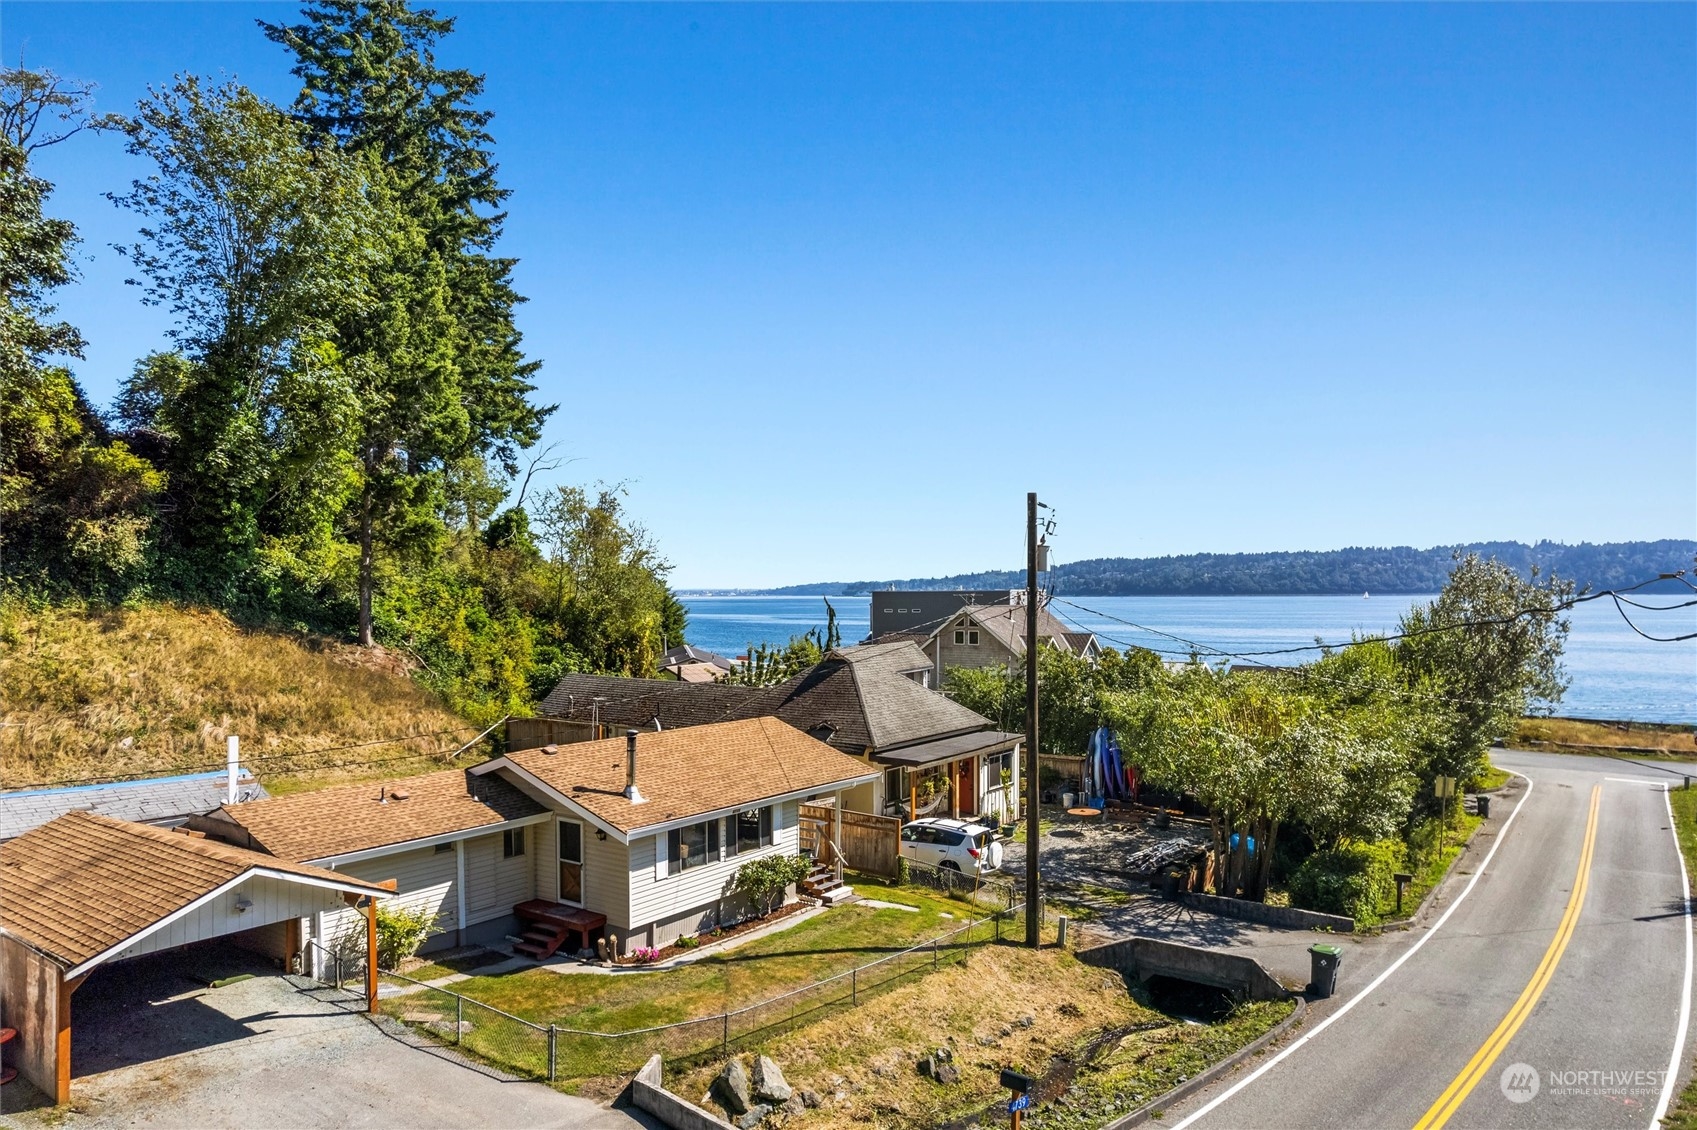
(1392, 571)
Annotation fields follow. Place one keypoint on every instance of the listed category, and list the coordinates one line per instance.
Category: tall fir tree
(371, 85)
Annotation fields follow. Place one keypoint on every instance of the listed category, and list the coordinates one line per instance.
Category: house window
(960, 637)
(571, 862)
(748, 830)
(972, 638)
(442, 849)
(512, 843)
(693, 846)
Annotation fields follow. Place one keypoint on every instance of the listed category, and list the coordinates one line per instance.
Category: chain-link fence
(986, 890)
(546, 1051)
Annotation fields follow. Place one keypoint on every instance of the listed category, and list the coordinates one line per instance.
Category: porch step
(838, 896)
(540, 942)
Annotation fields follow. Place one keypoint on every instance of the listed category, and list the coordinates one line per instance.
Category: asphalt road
(1508, 967)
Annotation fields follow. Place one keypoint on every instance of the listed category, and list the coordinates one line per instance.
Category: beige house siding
(424, 877)
(988, 652)
(495, 885)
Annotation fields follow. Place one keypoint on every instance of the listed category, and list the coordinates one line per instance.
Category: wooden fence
(868, 843)
(534, 733)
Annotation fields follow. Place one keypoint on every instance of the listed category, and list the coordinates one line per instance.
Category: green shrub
(763, 880)
(400, 931)
(1354, 879)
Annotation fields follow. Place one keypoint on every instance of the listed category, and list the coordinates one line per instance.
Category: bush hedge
(1354, 879)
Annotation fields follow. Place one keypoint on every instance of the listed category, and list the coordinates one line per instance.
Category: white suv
(955, 845)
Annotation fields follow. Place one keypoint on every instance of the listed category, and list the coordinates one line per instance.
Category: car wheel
(951, 865)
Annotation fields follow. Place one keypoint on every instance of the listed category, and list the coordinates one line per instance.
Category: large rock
(731, 1088)
(769, 1083)
(756, 1114)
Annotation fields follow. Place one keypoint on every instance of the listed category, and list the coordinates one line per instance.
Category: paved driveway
(154, 1047)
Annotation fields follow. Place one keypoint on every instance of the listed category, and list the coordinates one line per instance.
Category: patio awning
(954, 748)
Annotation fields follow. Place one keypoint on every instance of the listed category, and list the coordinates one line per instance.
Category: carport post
(370, 954)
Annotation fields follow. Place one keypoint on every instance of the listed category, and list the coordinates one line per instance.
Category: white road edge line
(1684, 997)
(1502, 834)
(1637, 781)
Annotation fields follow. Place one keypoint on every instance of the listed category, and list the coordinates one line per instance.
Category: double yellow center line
(1458, 1090)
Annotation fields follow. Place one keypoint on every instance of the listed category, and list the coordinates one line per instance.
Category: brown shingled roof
(350, 818)
(80, 885)
(689, 772)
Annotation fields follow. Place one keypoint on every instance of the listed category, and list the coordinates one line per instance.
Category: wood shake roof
(689, 772)
(76, 887)
(351, 818)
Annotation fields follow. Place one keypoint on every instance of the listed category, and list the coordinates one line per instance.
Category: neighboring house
(875, 701)
(559, 825)
(694, 665)
(162, 801)
(993, 635)
(899, 612)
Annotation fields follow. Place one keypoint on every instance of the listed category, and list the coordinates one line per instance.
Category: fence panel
(870, 843)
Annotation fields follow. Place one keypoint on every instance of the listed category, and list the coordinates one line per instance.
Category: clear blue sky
(832, 287)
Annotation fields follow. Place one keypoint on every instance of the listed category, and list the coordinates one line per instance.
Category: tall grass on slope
(113, 693)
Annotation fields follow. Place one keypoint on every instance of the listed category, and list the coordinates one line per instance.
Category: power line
(1515, 615)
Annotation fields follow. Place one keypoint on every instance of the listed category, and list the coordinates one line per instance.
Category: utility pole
(1033, 837)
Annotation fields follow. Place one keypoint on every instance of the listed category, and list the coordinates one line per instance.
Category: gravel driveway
(154, 1047)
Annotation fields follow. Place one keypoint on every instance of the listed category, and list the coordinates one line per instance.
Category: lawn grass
(1490, 778)
(1682, 1112)
(821, 947)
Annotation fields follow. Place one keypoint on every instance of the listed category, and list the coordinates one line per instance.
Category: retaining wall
(648, 1092)
(1144, 958)
(1287, 916)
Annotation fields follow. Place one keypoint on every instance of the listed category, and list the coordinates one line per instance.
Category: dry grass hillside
(157, 689)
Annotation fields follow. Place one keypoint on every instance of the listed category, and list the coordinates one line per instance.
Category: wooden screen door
(571, 862)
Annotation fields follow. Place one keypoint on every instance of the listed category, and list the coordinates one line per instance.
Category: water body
(1615, 673)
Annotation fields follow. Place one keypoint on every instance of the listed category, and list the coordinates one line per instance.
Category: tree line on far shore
(337, 440)
(1398, 569)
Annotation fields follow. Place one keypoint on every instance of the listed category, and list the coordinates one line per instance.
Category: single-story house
(877, 702)
(83, 892)
(643, 833)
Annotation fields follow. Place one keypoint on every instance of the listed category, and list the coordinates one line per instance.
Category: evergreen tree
(371, 86)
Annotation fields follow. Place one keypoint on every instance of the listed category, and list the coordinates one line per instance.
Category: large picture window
(693, 846)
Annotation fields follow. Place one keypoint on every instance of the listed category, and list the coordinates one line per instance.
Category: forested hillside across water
(1398, 569)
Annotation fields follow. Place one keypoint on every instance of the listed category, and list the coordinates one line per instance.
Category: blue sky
(831, 287)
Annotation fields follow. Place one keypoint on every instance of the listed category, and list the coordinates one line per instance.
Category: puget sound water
(1615, 673)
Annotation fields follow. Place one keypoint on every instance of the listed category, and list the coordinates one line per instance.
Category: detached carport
(85, 890)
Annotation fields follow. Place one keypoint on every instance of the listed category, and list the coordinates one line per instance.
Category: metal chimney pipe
(233, 768)
(631, 792)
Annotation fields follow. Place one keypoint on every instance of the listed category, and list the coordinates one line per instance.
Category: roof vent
(399, 794)
(550, 749)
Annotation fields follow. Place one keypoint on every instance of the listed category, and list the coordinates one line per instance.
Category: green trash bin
(1323, 968)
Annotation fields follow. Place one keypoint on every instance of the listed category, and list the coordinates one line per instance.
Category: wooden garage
(83, 890)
